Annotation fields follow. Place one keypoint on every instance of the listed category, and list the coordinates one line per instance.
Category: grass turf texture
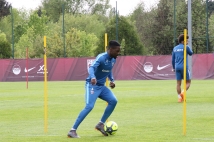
(146, 111)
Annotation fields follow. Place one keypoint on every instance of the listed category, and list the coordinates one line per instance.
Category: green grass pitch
(147, 111)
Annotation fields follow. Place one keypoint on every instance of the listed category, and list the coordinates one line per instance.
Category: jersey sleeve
(173, 59)
(93, 67)
(110, 76)
(189, 51)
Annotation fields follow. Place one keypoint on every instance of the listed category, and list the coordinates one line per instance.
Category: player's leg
(109, 97)
(180, 95)
(91, 95)
(179, 76)
(188, 80)
(178, 86)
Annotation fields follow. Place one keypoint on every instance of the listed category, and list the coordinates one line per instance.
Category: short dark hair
(181, 38)
(113, 43)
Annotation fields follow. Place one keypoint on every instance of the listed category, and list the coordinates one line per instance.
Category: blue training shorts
(180, 74)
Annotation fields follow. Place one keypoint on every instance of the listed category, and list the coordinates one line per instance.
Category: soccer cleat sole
(101, 132)
(72, 137)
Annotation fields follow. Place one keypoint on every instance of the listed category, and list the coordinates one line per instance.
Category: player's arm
(111, 78)
(173, 61)
(92, 69)
(189, 51)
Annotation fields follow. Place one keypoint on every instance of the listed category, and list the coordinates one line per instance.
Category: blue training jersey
(178, 56)
(101, 68)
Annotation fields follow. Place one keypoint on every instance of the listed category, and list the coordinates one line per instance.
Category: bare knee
(188, 82)
(179, 83)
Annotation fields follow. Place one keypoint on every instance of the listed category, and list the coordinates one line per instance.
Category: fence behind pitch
(126, 68)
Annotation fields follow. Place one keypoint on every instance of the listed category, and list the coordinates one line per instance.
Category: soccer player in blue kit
(178, 65)
(95, 87)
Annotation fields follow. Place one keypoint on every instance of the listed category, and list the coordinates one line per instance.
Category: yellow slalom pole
(184, 103)
(105, 51)
(45, 90)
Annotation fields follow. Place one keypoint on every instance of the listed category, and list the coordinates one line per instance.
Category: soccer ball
(111, 127)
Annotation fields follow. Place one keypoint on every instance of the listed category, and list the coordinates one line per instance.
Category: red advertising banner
(126, 68)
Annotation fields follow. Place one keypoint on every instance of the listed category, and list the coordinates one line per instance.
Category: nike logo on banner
(29, 69)
(163, 67)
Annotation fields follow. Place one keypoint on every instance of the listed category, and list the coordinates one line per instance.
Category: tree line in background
(76, 28)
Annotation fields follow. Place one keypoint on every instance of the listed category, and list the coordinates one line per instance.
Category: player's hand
(112, 85)
(173, 70)
(93, 81)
